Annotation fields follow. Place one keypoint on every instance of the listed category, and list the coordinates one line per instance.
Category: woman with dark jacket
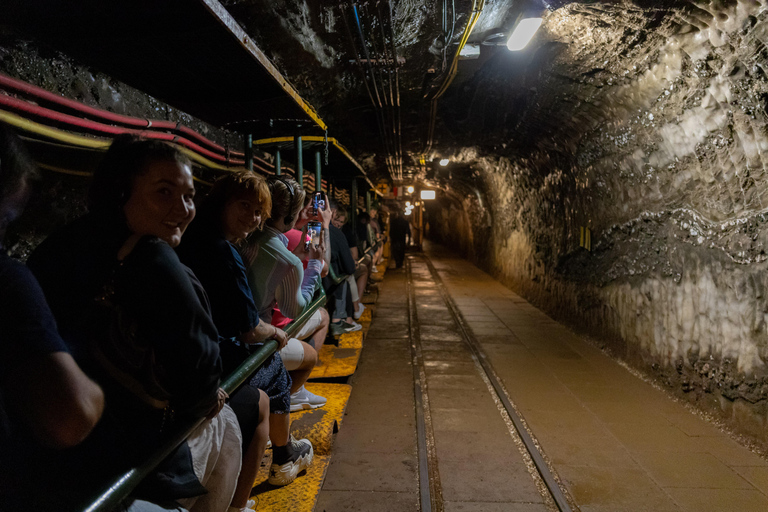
(112, 277)
(238, 204)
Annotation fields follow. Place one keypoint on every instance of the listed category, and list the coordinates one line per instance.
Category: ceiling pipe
(386, 106)
(477, 9)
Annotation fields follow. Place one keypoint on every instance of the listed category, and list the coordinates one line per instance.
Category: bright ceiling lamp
(410, 190)
(427, 194)
(444, 162)
(523, 34)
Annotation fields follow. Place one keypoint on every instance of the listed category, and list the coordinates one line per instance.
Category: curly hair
(237, 185)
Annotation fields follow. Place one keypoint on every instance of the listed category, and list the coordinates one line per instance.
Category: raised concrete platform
(616, 442)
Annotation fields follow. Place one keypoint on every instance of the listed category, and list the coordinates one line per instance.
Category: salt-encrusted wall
(648, 126)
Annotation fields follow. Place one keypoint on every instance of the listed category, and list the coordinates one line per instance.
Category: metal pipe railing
(121, 488)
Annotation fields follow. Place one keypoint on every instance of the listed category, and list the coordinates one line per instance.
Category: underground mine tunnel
(610, 172)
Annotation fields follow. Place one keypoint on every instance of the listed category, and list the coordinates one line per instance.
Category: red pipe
(104, 115)
(66, 119)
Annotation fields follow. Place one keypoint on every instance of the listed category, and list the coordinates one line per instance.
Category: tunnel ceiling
(544, 99)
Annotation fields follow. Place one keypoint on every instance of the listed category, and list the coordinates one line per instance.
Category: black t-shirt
(169, 309)
(349, 233)
(220, 268)
(27, 332)
(341, 258)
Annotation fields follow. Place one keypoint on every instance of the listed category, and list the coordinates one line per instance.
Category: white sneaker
(359, 312)
(354, 326)
(374, 270)
(304, 399)
(283, 473)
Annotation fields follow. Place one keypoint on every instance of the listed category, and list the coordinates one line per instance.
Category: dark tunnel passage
(613, 172)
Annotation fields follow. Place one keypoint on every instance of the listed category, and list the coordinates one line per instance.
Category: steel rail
(121, 488)
(541, 465)
(430, 488)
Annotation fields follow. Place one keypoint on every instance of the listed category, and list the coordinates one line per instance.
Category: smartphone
(314, 229)
(318, 202)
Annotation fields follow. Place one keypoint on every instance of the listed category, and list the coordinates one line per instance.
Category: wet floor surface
(615, 442)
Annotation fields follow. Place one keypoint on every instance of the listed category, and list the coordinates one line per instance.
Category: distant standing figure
(399, 231)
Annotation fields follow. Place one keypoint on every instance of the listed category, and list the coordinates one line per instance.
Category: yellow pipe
(87, 142)
(477, 9)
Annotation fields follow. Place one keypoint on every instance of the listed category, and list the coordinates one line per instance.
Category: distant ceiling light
(410, 190)
(470, 52)
(445, 161)
(407, 204)
(407, 212)
(427, 194)
(523, 34)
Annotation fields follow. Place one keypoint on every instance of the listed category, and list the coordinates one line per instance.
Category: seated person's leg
(216, 448)
(299, 358)
(315, 329)
(258, 402)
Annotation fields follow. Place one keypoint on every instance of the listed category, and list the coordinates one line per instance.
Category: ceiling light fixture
(410, 190)
(523, 34)
(427, 194)
(444, 162)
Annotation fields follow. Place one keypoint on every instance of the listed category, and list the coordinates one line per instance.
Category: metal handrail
(370, 251)
(121, 488)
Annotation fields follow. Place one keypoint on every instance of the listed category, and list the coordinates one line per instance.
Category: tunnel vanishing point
(613, 172)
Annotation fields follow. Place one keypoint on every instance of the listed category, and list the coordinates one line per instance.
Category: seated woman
(278, 279)
(359, 280)
(315, 330)
(236, 206)
(115, 269)
(36, 414)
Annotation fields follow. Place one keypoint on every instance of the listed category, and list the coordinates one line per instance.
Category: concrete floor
(617, 443)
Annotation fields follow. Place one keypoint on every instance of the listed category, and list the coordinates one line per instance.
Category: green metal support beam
(249, 152)
(278, 163)
(299, 160)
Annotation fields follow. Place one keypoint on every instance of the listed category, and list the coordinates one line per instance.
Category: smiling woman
(136, 319)
(162, 201)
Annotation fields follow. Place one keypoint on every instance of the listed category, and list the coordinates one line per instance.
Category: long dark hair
(127, 157)
(16, 164)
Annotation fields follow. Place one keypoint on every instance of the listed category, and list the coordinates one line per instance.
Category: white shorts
(292, 354)
(310, 326)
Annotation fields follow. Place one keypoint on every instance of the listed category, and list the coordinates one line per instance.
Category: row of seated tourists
(125, 338)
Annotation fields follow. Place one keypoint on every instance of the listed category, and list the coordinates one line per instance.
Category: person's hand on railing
(280, 337)
(221, 399)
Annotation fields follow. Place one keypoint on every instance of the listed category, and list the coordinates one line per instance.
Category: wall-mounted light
(427, 194)
(410, 190)
(523, 33)
(444, 162)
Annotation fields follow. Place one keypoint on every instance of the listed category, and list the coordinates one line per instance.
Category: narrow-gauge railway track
(430, 289)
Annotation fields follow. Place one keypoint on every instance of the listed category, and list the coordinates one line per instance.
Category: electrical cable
(38, 93)
(81, 141)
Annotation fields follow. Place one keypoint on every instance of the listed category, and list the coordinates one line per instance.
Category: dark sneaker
(285, 472)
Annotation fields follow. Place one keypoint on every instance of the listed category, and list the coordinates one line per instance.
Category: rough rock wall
(647, 125)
